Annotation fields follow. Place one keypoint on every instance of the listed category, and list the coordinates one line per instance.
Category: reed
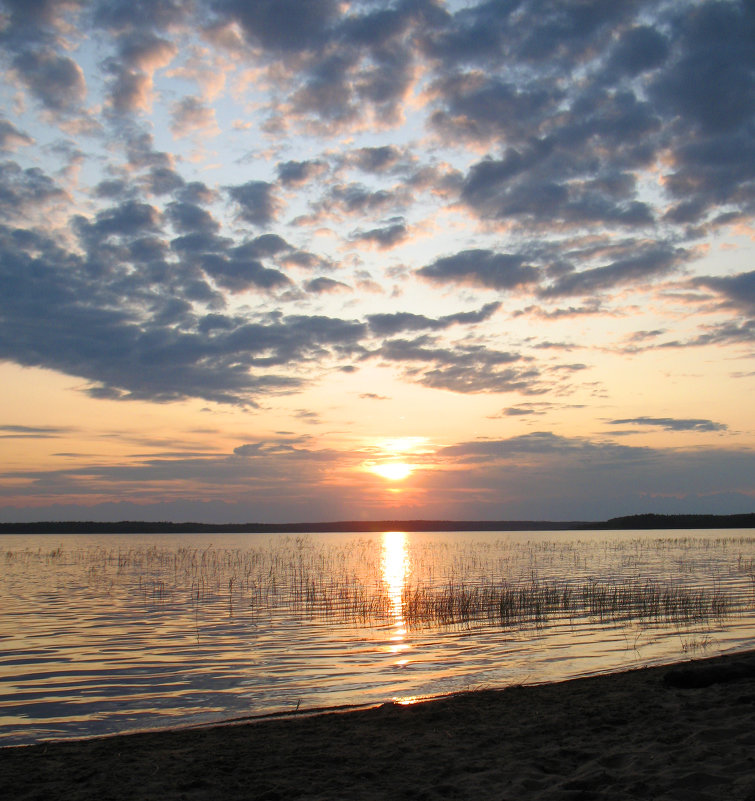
(502, 583)
(541, 601)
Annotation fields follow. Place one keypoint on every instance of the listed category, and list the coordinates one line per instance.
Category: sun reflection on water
(395, 568)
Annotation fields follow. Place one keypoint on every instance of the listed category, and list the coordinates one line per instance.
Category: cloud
(25, 191)
(163, 181)
(576, 478)
(535, 34)
(326, 91)
(141, 152)
(298, 173)
(140, 54)
(386, 237)
(462, 368)
(673, 424)
(478, 107)
(282, 468)
(540, 444)
(32, 432)
(144, 50)
(534, 408)
(304, 260)
(639, 49)
(645, 263)
(396, 322)
(695, 110)
(196, 192)
(283, 26)
(592, 307)
(236, 268)
(56, 81)
(188, 217)
(321, 285)
(709, 173)
(369, 72)
(548, 345)
(483, 268)
(574, 474)
(739, 290)
(644, 336)
(191, 115)
(11, 138)
(334, 65)
(711, 84)
(375, 159)
(576, 367)
(357, 199)
(265, 245)
(517, 188)
(256, 200)
(726, 333)
(573, 151)
(308, 416)
(709, 94)
(124, 15)
(130, 218)
(131, 339)
(239, 274)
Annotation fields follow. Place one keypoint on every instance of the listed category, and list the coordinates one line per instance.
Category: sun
(392, 471)
(392, 458)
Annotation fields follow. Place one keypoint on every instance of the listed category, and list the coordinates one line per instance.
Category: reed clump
(652, 601)
(537, 602)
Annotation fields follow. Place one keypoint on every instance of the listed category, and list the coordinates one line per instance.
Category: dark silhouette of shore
(630, 522)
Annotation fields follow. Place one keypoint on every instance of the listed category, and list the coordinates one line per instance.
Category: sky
(298, 260)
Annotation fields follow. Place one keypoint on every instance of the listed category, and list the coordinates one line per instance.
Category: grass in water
(481, 584)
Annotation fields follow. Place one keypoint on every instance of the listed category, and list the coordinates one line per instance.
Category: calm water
(104, 634)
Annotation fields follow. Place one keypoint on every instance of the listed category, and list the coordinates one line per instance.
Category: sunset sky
(288, 260)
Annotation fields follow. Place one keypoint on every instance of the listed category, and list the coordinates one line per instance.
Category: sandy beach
(676, 732)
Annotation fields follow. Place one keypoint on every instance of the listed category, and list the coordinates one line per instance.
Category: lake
(101, 634)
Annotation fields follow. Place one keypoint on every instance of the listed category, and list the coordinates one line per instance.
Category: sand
(681, 732)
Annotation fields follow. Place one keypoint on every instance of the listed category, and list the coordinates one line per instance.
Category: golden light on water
(395, 565)
(395, 568)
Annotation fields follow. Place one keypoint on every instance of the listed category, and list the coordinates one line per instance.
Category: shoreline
(682, 730)
(637, 522)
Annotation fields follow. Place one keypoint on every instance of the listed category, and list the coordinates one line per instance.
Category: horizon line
(640, 521)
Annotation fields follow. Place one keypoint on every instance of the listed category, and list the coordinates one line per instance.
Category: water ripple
(118, 633)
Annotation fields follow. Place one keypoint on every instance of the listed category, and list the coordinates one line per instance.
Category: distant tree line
(649, 521)
(642, 521)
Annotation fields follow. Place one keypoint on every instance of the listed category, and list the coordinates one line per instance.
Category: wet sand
(678, 732)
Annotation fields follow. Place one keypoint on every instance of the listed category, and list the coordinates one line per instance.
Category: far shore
(629, 522)
(675, 732)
